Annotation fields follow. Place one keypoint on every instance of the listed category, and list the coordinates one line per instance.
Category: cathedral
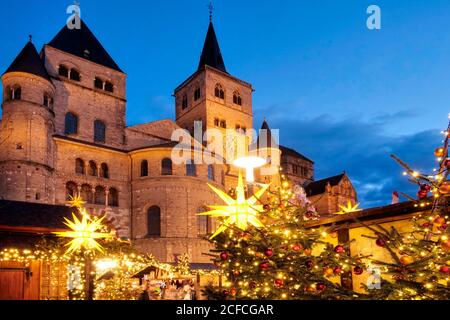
(64, 133)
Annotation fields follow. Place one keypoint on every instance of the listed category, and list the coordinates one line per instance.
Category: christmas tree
(419, 264)
(267, 251)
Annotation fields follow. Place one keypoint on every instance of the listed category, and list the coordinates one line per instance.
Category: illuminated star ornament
(76, 202)
(85, 233)
(350, 208)
(240, 212)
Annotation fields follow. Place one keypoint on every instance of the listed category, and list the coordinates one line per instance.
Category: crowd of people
(170, 290)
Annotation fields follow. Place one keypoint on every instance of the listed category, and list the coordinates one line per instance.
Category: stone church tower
(28, 124)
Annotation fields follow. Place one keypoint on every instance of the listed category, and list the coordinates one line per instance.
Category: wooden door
(12, 284)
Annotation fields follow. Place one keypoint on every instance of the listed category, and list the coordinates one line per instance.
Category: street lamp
(249, 164)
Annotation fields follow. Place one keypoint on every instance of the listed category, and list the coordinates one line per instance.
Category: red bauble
(297, 247)
(381, 242)
(264, 266)
(310, 214)
(233, 292)
(447, 162)
(321, 286)
(426, 225)
(309, 264)
(422, 195)
(266, 207)
(445, 270)
(252, 285)
(337, 270)
(339, 249)
(236, 273)
(269, 253)
(279, 282)
(358, 271)
(443, 227)
(224, 256)
(424, 187)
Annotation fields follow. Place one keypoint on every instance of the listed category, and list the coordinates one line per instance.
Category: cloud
(362, 149)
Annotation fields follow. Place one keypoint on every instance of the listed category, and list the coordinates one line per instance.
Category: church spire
(211, 55)
(29, 61)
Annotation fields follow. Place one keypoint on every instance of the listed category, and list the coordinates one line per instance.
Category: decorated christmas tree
(419, 264)
(267, 251)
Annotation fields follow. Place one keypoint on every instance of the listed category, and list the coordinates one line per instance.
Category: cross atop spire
(211, 9)
(30, 38)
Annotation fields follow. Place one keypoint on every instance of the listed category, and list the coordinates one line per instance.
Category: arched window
(104, 171)
(237, 98)
(71, 124)
(211, 172)
(79, 166)
(197, 94)
(203, 224)
(166, 167)
(74, 75)
(113, 198)
(71, 190)
(98, 83)
(109, 87)
(63, 71)
(100, 196)
(154, 222)
(219, 92)
(184, 104)
(15, 93)
(86, 193)
(99, 131)
(191, 170)
(92, 169)
(48, 101)
(144, 168)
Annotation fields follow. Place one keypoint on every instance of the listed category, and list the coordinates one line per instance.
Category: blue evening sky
(343, 95)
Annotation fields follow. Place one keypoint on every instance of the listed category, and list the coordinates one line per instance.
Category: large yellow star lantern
(85, 233)
(241, 212)
(350, 208)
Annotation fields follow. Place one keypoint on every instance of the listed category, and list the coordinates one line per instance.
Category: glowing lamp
(249, 164)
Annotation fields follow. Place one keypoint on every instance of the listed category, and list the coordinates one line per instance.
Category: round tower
(27, 126)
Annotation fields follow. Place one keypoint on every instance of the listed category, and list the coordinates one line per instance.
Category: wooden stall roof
(393, 212)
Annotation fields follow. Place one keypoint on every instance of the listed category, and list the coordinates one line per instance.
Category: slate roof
(211, 55)
(83, 43)
(34, 215)
(319, 187)
(30, 62)
(291, 152)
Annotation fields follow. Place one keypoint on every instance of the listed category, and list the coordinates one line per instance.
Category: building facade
(63, 133)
